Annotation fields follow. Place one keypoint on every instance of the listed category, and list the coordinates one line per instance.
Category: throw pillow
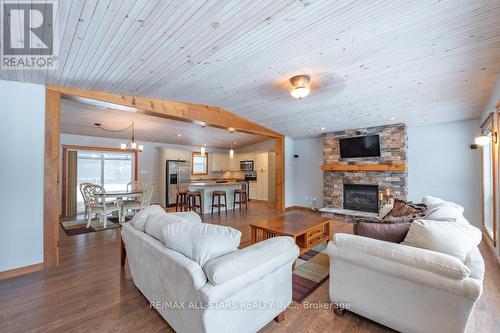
(433, 202)
(446, 211)
(451, 238)
(402, 208)
(140, 218)
(201, 242)
(384, 210)
(389, 232)
(156, 223)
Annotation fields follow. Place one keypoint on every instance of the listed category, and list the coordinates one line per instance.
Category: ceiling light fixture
(300, 86)
(131, 145)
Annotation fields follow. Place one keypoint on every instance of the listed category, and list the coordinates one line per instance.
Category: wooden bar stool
(219, 194)
(192, 205)
(242, 198)
(181, 201)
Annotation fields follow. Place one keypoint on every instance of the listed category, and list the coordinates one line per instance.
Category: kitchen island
(207, 187)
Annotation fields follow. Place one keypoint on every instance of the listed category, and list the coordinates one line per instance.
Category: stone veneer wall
(393, 150)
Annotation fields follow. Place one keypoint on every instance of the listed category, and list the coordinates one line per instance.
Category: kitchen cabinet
(234, 164)
(265, 169)
(218, 162)
(177, 154)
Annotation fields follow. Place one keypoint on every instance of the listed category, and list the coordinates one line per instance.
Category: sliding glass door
(112, 170)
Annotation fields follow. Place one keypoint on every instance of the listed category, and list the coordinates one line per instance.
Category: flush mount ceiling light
(300, 86)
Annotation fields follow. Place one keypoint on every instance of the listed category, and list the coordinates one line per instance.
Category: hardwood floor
(90, 292)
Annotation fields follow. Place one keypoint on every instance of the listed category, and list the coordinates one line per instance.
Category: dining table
(118, 195)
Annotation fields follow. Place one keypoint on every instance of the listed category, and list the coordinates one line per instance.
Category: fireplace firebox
(361, 197)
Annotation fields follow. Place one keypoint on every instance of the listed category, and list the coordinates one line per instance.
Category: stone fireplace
(361, 197)
(368, 178)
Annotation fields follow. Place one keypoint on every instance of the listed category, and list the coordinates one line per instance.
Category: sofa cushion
(347, 245)
(389, 232)
(140, 218)
(455, 239)
(260, 257)
(156, 222)
(201, 242)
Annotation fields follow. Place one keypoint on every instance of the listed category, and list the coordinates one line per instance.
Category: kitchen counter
(213, 183)
(207, 187)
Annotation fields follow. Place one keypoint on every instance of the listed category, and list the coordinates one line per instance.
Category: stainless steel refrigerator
(177, 178)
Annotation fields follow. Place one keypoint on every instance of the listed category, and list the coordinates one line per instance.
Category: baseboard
(300, 208)
(21, 270)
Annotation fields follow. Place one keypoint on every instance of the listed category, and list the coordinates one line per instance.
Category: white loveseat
(406, 288)
(240, 291)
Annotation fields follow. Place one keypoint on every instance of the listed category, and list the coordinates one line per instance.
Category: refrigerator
(178, 175)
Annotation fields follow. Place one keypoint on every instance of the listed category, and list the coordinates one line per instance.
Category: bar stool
(181, 200)
(192, 205)
(219, 194)
(242, 198)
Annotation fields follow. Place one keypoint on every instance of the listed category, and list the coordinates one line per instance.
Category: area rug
(311, 271)
(78, 227)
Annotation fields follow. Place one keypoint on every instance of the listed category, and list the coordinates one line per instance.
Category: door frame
(64, 173)
(490, 123)
(188, 112)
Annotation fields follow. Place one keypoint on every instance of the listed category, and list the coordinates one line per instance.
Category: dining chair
(145, 200)
(98, 205)
(85, 199)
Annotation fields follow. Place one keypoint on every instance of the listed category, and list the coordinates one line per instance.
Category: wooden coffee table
(307, 229)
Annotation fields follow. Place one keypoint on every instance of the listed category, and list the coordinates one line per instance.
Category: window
(112, 170)
(200, 164)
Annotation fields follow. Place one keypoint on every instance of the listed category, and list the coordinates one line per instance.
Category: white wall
(22, 130)
(307, 175)
(441, 163)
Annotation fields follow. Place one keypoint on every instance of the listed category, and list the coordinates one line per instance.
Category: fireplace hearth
(361, 197)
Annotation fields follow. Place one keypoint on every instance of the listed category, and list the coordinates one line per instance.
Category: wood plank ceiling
(371, 62)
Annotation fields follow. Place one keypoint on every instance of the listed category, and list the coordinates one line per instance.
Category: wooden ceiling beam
(209, 115)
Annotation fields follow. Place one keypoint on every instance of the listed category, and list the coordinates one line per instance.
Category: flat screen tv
(361, 146)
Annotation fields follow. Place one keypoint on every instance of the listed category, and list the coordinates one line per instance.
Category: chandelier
(131, 144)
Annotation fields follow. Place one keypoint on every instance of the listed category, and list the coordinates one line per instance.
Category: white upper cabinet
(177, 154)
(234, 164)
(218, 161)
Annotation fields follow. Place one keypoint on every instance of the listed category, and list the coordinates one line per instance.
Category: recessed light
(393, 118)
(231, 129)
(322, 128)
(235, 143)
(179, 135)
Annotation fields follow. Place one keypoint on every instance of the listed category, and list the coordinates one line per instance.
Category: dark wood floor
(90, 292)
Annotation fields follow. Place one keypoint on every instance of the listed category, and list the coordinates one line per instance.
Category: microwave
(246, 165)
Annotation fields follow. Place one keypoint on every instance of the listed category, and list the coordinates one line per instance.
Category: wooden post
(123, 252)
(280, 173)
(51, 179)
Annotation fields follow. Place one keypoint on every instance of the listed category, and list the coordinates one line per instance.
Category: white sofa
(406, 288)
(240, 291)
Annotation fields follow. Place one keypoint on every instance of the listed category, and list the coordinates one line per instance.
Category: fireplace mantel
(364, 167)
